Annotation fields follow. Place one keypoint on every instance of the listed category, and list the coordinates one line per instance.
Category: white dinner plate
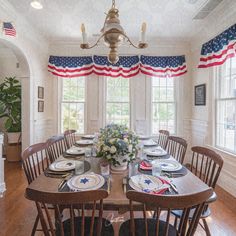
(88, 136)
(86, 182)
(85, 142)
(169, 165)
(145, 182)
(75, 151)
(156, 152)
(149, 143)
(143, 137)
(63, 165)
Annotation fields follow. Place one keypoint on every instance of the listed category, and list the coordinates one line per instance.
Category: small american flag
(8, 29)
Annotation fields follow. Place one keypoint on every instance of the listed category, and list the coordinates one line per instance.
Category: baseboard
(228, 199)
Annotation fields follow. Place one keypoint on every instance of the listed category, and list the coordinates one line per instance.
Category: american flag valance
(171, 66)
(219, 49)
(126, 67)
(69, 67)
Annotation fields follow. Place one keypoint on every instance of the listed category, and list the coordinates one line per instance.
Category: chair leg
(35, 225)
(208, 233)
(176, 221)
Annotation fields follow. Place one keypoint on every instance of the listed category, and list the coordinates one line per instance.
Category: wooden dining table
(117, 201)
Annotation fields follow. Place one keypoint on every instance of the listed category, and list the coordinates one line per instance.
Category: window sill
(229, 154)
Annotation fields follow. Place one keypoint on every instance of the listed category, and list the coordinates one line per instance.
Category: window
(117, 101)
(226, 106)
(163, 104)
(73, 104)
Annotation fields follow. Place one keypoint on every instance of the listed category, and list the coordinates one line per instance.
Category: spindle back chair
(35, 160)
(70, 137)
(155, 226)
(163, 138)
(74, 201)
(56, 146)
(177, 147)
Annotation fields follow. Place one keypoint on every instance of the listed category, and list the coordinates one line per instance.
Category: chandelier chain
(113, 3)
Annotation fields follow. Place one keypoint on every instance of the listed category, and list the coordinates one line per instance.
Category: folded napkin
(152, 185)
(145, 165)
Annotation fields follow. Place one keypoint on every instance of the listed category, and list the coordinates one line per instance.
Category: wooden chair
(154, 226)
(163, 138)
(205, 164)
(177, 147)
(74, 225)
(56, 145)
(70, 137)
(35, 160)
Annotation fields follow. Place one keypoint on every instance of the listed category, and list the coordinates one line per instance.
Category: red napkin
(144, 165)
(162, 190)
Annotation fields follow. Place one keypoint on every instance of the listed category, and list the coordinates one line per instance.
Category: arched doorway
(14, 63)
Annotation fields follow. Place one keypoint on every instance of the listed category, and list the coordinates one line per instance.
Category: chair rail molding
(2, 183)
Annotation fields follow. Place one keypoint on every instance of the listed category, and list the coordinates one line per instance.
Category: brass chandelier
(113, 34)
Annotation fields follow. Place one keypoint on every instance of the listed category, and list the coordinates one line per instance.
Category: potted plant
(118, 145)
(10, 107)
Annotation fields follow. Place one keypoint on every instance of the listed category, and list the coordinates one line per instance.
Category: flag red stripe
(109, 69)
(164, 70)
(66, 70)
(216, 63)
(164, 75)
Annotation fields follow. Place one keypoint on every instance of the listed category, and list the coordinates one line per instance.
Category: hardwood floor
(17, 214)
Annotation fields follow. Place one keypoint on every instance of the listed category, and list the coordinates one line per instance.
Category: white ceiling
(61, 19)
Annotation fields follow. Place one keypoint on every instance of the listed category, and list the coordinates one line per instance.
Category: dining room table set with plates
(143, 179)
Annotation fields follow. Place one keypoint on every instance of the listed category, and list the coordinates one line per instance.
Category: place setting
(84, 142)
(74, 152)
(165, 167)
(156, 152)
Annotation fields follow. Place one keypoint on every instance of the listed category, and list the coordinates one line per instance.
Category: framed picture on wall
(200, 95)
(40, 92)
(40, 106)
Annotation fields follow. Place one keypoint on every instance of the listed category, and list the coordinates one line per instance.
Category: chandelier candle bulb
(84, 35)
(143, 32)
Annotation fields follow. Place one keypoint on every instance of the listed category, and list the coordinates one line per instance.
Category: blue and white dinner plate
(156, 152)
(75, 151)
(63, 165)
(149, 143)
(169, 165)
(145, 183)
(85, 142)
(86, 182)
(88, 136)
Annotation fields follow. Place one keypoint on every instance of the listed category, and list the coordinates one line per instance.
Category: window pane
(226, 107)
(117, 104)
(73, 103)
(163, 105)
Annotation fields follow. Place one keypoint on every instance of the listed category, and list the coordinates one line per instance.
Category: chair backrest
(35, 160)
(56, 145)
(206, 164)
(169, 203)
(177, 147)
(163, 138)
(74, 201)
(70, 137)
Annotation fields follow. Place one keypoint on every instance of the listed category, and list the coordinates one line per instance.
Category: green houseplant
(10, 104)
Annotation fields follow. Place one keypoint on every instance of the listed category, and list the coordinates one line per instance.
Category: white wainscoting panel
(2, 181)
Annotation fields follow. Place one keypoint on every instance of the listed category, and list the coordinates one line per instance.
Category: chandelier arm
(86, 46)
(129, 40)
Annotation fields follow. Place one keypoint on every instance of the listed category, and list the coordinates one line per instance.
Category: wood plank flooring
(17, 214)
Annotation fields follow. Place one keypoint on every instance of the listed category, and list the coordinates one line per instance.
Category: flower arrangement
(117, 141)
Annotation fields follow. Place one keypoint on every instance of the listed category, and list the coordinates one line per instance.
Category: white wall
(32, 49)
(202, 122)
(140, 85)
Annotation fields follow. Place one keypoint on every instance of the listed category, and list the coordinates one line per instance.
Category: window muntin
(163, 104)
(117, 101)
(73, 104)
(226, 106)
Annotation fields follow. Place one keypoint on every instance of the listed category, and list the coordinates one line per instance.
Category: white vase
(122, 166)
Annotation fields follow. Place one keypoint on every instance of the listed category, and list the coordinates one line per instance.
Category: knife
(63, 182)
(173, 187)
